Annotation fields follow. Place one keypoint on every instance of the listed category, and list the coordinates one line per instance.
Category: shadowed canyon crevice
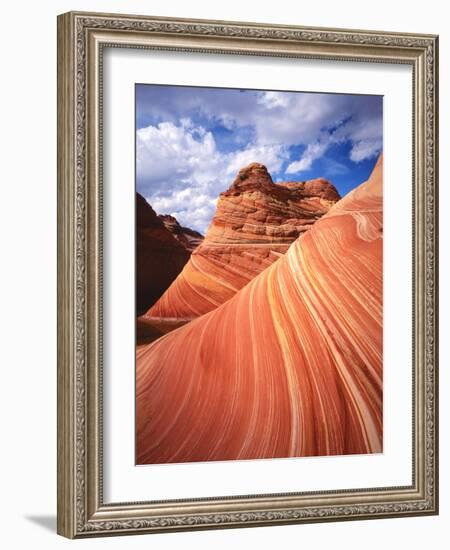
(162, 249)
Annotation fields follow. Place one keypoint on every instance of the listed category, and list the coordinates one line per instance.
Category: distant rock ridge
(255, 222)
(189, 238)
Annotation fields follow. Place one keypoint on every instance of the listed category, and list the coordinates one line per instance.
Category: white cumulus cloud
(312, 152)
(181, 172)
(365, 149)
(183, 164)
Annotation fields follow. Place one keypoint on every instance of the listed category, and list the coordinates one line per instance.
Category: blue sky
(191, 142)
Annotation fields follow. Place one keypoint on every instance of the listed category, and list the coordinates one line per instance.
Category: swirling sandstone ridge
(290, 366)
(255, 222)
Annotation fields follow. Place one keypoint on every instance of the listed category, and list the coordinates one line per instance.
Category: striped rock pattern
(290, 366)
(255, 223)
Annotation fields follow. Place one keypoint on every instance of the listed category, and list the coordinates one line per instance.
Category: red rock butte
(255, 222)
(160, 257)
(290, 366)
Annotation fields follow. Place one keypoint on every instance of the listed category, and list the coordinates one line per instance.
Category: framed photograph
(247, 290)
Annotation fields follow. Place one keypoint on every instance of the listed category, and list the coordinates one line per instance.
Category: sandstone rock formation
(255, 222)
(290, 366)
(189, 238)
(160, 257)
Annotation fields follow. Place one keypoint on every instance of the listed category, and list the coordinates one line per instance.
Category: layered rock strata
(255, 223)
(290, 366)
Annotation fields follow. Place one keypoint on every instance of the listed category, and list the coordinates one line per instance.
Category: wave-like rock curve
(255, 222)
(290, 366)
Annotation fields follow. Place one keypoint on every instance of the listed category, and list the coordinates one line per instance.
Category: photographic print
(259, 274)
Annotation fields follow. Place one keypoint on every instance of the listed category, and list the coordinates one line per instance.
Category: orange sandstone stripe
(291, 365)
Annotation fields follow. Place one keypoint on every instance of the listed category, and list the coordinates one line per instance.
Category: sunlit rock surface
(289, 366)
(255, 222)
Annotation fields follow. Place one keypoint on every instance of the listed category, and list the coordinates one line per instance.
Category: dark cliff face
(189, 238)
(160, 257)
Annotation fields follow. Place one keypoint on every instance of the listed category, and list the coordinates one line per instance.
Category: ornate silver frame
(81, 38)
